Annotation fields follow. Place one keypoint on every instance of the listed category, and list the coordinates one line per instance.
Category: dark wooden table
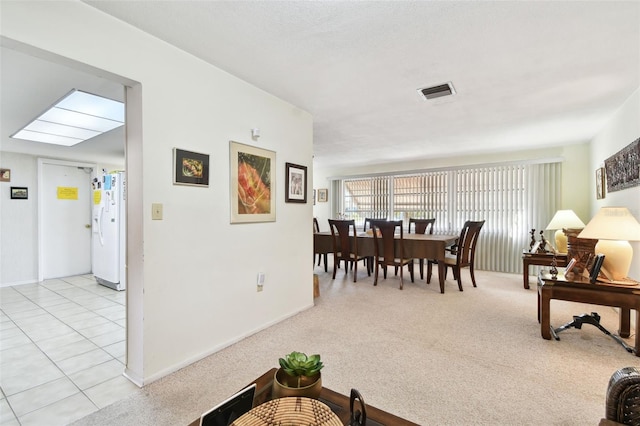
(338, 403)
(540, 259)
(416, 246)
(578, 289)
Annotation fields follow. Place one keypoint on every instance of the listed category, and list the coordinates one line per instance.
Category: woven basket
(290, 411)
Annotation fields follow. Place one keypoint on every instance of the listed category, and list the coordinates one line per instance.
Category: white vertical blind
(511, 199)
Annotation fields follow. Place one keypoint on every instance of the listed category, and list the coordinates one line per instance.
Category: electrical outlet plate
(156, 211)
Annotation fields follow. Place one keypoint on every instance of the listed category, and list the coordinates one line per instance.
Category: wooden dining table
(416, 246)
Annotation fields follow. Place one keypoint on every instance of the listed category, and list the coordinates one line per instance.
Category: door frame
(41, 163)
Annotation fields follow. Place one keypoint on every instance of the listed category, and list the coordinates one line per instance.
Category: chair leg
(456, 271)
(473, 278)
(411, 271)
(325, 262)
(375, 278)
(401, 277)
(421, 262)
(355, 270)
(336, 264)
(429, 270)
(384, 269)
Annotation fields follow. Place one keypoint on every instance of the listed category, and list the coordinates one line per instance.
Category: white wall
(622, 129)
(192, 276)
(575, 177)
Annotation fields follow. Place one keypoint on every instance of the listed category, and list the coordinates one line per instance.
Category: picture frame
(190, 168)
(535, 247)
(623, 168)
(323, 195)
(252, 182)
(295, 183)
(5, 175)
(314, 197)
(600, 191)
(19, 193)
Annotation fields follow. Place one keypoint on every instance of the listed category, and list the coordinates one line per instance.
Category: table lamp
(564, 219)
(614, 227)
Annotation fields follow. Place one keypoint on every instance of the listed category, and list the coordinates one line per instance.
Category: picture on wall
(5, 175)
(190, 168)
(323, 195)
(296, 183)
(19, 193)
(623, 168)
(252, 178)
(600, 183)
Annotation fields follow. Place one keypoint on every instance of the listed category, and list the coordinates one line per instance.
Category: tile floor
(62, 350)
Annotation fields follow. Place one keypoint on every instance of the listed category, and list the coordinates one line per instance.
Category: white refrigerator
(109, 230)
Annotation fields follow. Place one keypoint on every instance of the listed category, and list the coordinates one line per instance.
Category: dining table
(416, 246)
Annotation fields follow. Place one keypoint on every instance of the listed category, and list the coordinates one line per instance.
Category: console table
(338, 403)
(540, 259)
(579, 289)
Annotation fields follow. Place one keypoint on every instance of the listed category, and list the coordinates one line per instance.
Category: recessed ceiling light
(78, 116)
(438, 91)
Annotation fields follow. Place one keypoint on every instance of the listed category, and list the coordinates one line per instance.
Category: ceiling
(528, 74)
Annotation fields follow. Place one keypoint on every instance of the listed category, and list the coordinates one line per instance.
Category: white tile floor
(62, 350)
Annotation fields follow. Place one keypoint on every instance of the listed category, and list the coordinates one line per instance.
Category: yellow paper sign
(97, 197)
(67, 193)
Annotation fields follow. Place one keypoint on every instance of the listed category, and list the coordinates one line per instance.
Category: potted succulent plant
(298, 375)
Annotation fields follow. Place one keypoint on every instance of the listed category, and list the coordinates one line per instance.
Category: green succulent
(298, 364)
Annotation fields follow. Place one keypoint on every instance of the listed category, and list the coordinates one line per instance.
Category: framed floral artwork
(190, 168)
(323, 195)
(252, 180)
(295, 183)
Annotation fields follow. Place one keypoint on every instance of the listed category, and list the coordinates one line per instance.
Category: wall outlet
(260, 281)
(156, 211)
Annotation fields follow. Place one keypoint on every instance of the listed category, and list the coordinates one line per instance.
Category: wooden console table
(540, 259)
(579, 289)
(338, 403)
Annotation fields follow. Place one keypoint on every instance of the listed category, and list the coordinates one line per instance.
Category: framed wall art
(600, 183)
(253, 182)
(19, 193)
(296, 183)
(5, 175)
(190, 168)
(623, 168)
(323, 195)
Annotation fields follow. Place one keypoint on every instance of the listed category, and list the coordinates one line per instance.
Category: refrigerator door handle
(100, 235)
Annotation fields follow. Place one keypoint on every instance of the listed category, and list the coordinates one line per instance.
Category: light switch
(156, 211)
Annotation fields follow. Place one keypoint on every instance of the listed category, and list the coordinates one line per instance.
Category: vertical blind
(511, 199)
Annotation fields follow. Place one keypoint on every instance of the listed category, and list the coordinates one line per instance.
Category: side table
(540, 259)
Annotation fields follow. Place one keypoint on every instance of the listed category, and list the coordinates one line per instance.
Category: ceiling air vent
(437, 91)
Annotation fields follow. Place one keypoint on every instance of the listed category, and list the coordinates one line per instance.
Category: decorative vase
(286, 385)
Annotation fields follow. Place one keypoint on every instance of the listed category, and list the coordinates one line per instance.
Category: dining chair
(384, 236)
(421, 226)
(463, 253)
(321, 256)
(367, 222)
(345, 246)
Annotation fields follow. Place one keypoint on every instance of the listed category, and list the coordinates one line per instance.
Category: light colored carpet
(474, 357)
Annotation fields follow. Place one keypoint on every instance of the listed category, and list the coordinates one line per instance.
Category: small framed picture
(535, 247)
(295, 183)
(600, 183)
(314, 197)
(323, 195)
(19, 193)
(5, 175)
(190, 168)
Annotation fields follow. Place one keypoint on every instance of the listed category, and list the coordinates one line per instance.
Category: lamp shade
(612, 223)
(565, 219)
(614, 227)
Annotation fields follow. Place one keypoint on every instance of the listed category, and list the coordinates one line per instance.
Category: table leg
(525, 273)
(545, 323)
(441, 275)
(637, 331)
(625, 323)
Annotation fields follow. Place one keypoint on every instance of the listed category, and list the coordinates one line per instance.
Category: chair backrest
(316, 226)
(368, 220)
(467, 242)
(385, 242)
(343, 233)
(421, 225)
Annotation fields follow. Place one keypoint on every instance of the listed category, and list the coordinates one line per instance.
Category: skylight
(75, 118)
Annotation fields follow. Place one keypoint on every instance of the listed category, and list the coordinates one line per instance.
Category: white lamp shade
(565, 219)
(612, 223)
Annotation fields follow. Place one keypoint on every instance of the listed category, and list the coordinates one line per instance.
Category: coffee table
(338, 403)
(579, 289)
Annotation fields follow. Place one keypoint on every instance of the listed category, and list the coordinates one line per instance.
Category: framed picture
(314, 197)
(5, 175)
(190, 168)
(600, 183)
(296, 183)
(623, 168)
(323, 195)
(253, 182)
(19, 193)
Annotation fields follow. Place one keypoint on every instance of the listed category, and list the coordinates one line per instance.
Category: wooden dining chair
(421, 226)
(384, 236)
(367, 222)
(321, 256)
(345, 246)
(463, 253)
